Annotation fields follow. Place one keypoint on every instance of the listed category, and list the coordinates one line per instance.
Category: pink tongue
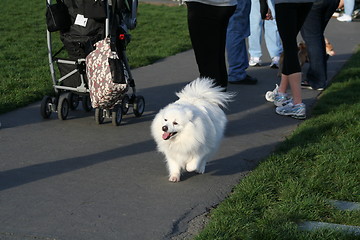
(166, 136)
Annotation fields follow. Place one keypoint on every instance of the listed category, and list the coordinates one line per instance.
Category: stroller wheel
(99, 115)
(86, 103)
(139, 106)
(63, 107)
(45, 108)
(116, 115)
(125, 104)
(74, 100)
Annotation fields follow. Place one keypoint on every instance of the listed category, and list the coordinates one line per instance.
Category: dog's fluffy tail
(205, 89)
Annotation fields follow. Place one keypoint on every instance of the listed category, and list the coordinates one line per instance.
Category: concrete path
(78, 180)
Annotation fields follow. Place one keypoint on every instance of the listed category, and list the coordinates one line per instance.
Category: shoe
(281, 99)
(297, 111)
(345, 18)
(356, 14)
(247, 80)
(254, 62)
(275, 62)
(270, 95)
(336, 14)
(305, 84)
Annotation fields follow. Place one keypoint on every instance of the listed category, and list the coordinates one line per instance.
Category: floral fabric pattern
(104, 93)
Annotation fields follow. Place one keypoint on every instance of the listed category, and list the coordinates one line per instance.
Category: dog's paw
(191, 166)
(174, 178)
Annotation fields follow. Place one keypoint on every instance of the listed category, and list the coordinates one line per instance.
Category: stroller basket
(73, 74)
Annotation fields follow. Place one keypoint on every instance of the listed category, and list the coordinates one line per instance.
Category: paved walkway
(78, 180)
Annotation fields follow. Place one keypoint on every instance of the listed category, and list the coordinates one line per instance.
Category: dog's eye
(165, 120)
(175, 123)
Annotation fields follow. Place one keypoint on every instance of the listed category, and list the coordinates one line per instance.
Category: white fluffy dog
(188, 131)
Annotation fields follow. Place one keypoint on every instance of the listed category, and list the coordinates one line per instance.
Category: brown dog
(329, 48)
(303, 54)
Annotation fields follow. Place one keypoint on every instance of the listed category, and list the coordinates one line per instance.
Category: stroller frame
(68, 97)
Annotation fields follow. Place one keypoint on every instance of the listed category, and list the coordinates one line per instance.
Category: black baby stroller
(81, 24)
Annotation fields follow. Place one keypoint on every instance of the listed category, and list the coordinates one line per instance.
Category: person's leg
(290, 17)
(272, 37)
(341, 4)
(294, 77)
(348, 10)
(349, 7)
(256, 28)
(222, 58)
(286, 19)
(294, 80)
(313, 34)
(207, 27)
(237, 31)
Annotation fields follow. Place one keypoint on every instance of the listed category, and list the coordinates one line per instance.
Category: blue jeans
(349, 6)
(238, 30)
(313, 34)
(271, 34)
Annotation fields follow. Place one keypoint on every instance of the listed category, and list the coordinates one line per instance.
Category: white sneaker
(279, 99)
(275, 62)
(336, 15)
(345, 18)
(270, 95)
(254, 61)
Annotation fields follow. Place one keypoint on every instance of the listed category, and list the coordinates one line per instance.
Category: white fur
(199, 123)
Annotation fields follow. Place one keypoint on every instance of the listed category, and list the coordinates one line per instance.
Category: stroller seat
(85, 31)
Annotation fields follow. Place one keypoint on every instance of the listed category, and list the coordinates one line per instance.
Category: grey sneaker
(297, 111)
(281, 99)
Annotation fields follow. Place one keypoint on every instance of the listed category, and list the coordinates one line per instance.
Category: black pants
(207, 27)
(289, 19)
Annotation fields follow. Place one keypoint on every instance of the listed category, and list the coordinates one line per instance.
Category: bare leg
(341, 4)
(283, 84)
(294, 80)
(295, 85)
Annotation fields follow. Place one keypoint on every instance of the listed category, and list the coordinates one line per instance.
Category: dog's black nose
(165, 128)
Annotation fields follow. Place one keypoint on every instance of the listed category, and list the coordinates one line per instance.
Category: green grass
(25, 75)
(318, 162)
(162, 31)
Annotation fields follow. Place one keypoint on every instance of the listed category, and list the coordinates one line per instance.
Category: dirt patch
(195, 226)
